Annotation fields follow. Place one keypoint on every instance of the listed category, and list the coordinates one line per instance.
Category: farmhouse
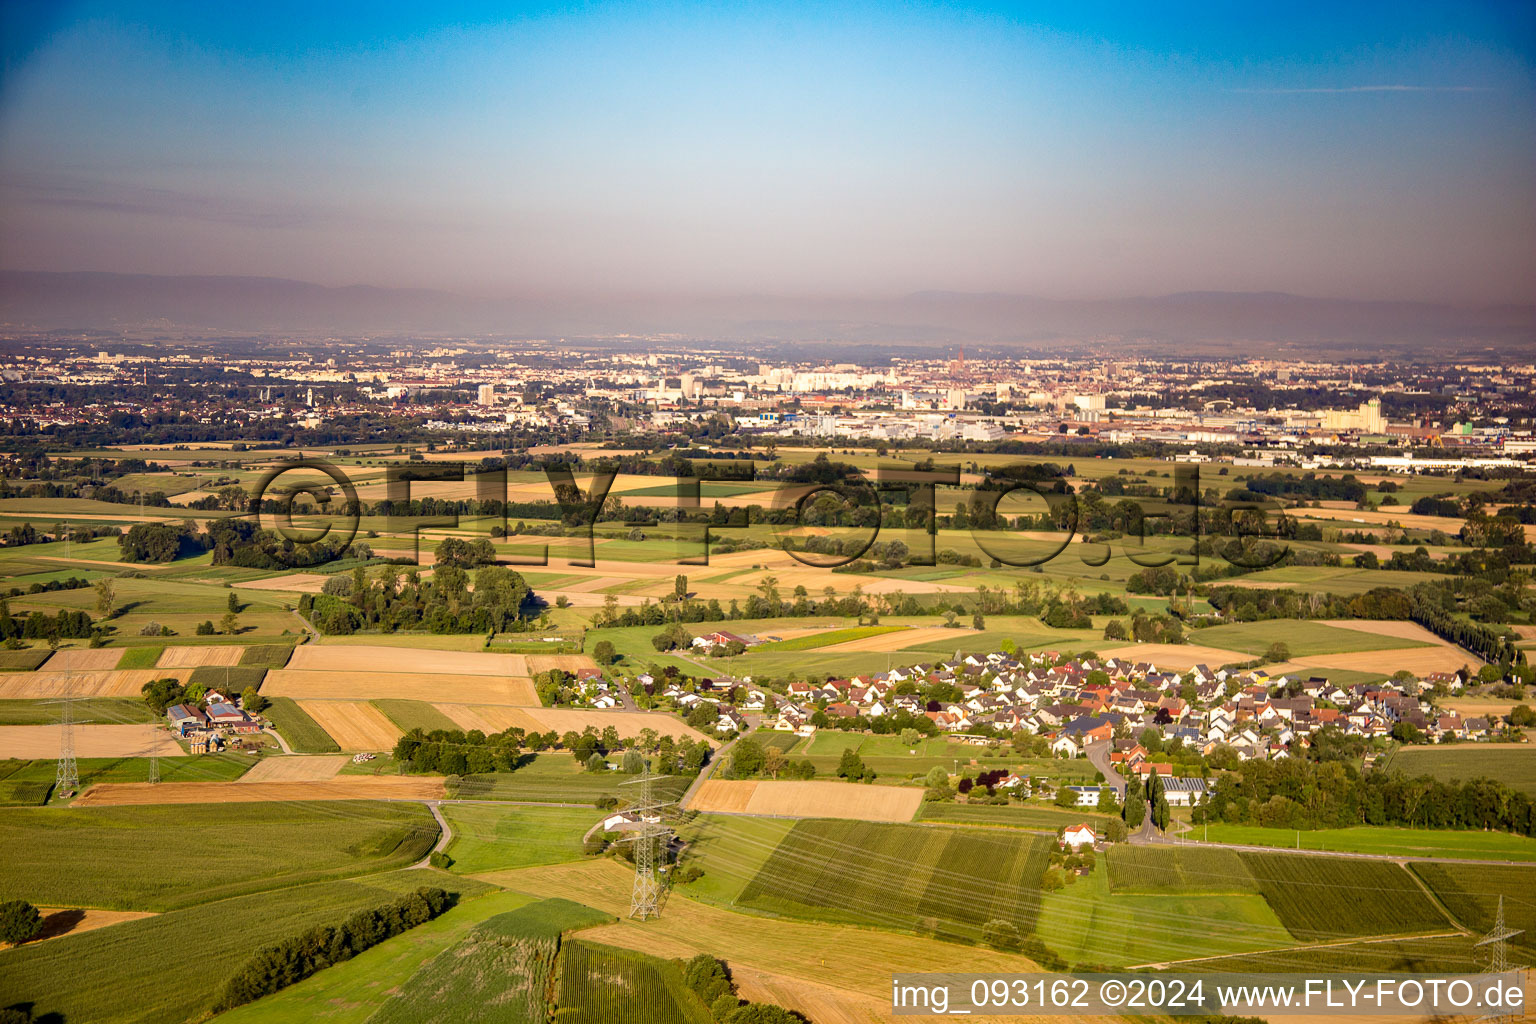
(186, 719)
(1078, 836)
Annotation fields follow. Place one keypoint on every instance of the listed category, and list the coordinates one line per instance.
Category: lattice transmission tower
(67, 779)
(1497, 944)
(645, 899)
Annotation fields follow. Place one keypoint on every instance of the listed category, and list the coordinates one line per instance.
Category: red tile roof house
(1078, 836)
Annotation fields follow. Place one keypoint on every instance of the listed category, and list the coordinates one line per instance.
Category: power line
(67, 779)
(645, 898)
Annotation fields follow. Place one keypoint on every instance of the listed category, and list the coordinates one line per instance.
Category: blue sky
(1379, 151)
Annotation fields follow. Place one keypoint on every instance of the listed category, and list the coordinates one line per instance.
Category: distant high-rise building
(487, 394)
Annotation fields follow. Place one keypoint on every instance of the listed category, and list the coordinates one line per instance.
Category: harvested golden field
(354, 725)
(60, 921)
(343, 787)
(797, 574)
(381, 685)
(297, 582)
(805, 952)
(196, 657)
(565, 662)
(819, 1002)
(100, 660)
(897, 640)
(1418, 660)
(296, 768)
(28, 741)
(1176, 657)
(1388, 627)
(358, 658)
(496, 718)
(808, 799)
(730, 796)
(128, 682)
(1478, 707)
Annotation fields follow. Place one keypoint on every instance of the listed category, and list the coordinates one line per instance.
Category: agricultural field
(1385, 840)
(1087, 923)
(299, 768)
(807, 799)
(1181, 869)
(163, 858)
(601, 985)
(104, 977)
(1319, 898)
(500, 972)
(934, 881)
(343, 787)
(1471, 892)
(104, 710)
(1305, 638)
(415, 714)
(827, 638)
(295, 725)
(1512, 764)
(143, 740)
(352, 725)
(555, 777)
(490, 838)
(1040, 817)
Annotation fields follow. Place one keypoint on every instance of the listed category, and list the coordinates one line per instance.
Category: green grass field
(1040, 817)
(1512, 764)
(813, 641)
(489, 838)
(1089, 925)
(350, 992)
(166, 857)
(136, 972)
(555, 778)
(500, 972)
(1471, 892)
(1323, 898)
(202, 768)
(303, 733)
(1395, 842)
(1304, 638)
(415, 714)
(732, 850)
(25, 660)
(267, 655)
(112, 710)
(232, 680)
(140, 657)
(939, 881)
(1178, 869)
(603, 984)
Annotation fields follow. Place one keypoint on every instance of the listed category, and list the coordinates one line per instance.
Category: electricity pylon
(1497, 942)
(67, 779)
(645, 899)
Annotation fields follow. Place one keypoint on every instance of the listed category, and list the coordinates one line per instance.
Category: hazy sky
(1330, 149)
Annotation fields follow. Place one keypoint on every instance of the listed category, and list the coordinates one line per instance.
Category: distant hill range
(1197, 321)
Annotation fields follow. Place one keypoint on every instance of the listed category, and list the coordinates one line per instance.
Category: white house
(1078, 836)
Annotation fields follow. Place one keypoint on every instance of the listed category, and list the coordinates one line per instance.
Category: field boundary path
(443, 839)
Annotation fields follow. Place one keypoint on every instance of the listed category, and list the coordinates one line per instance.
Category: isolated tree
(229, 624)
(1000, 934)
(774, 761)
(680, 587)
(105, 598)
(1278, 651)
(19, 921)
(603, 653)
(252, 701)
(233, 604)
(633, 763)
